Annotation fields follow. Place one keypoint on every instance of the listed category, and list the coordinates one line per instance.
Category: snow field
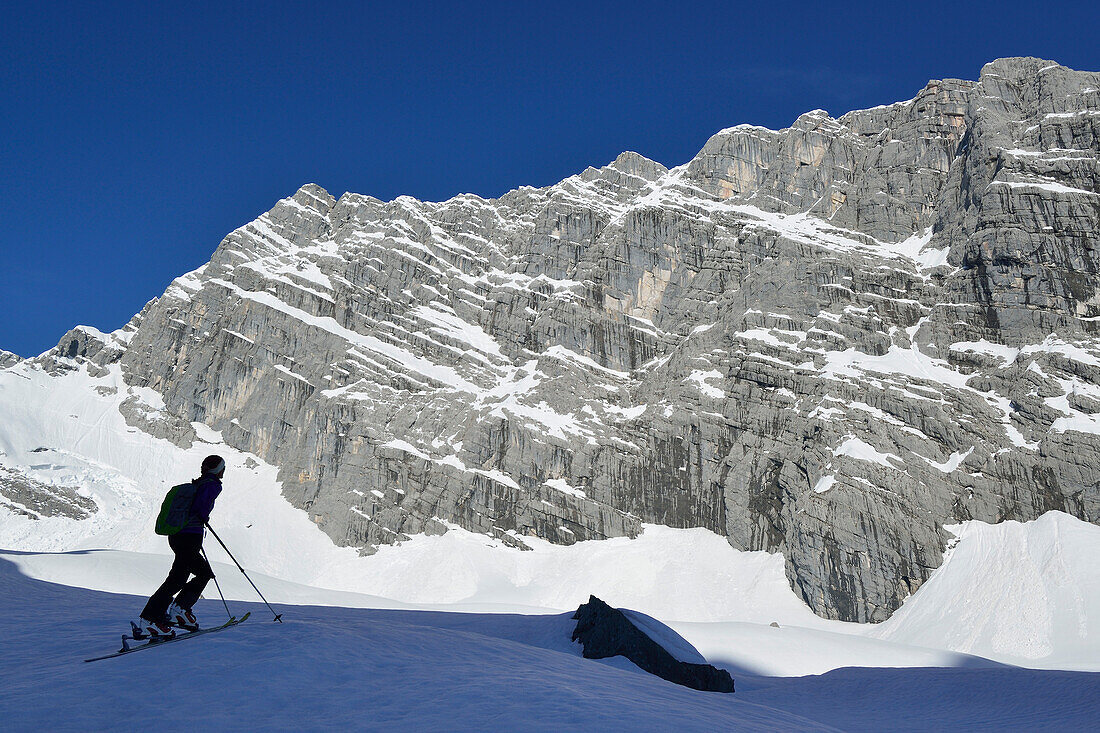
(1024, 594)
(381, 670)
(334, 668)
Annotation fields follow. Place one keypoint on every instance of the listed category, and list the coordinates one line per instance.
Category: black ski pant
(189, 561)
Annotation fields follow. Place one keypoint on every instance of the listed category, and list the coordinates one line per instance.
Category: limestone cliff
(828, 340)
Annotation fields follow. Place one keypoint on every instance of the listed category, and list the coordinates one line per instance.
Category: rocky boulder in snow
(604, 632)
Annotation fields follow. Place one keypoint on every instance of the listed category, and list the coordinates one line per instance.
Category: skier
(172, 602)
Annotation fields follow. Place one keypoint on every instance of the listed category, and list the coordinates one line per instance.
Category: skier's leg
(157, 606)
(198, 567)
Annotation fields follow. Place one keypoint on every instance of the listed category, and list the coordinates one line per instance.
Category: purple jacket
(207, 489)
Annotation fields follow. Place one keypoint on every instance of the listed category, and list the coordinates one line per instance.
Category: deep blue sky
(133, 139)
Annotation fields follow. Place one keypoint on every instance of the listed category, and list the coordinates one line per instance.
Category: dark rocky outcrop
(604, 632)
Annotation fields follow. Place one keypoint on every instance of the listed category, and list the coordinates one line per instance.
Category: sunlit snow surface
(1025, 594)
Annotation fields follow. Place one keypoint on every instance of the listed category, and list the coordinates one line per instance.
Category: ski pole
(278, 616)
(216, 584)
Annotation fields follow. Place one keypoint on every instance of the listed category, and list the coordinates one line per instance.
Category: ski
(126, 649)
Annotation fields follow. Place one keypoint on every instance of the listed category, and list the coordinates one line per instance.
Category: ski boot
(183, 618)
(144, 628)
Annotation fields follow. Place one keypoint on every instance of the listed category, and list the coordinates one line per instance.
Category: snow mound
(1026, 593)
(666, 637)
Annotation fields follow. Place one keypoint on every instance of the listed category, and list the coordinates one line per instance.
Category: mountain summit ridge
(829, 340)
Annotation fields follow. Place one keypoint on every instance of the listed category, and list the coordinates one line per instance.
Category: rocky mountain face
(828, 341)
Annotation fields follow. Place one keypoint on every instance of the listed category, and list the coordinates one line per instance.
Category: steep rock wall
(828, 340)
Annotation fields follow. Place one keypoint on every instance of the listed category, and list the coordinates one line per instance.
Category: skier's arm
(204, 500)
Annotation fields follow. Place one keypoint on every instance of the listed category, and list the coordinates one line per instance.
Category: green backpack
(175, 511)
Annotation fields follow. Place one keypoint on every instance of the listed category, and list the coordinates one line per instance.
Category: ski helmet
(213, 466)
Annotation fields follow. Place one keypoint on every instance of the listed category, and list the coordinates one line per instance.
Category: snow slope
(340, 668)
(1020, 593)
(333, 669)
(741, 646)
(89, 447)
(1027, 593)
